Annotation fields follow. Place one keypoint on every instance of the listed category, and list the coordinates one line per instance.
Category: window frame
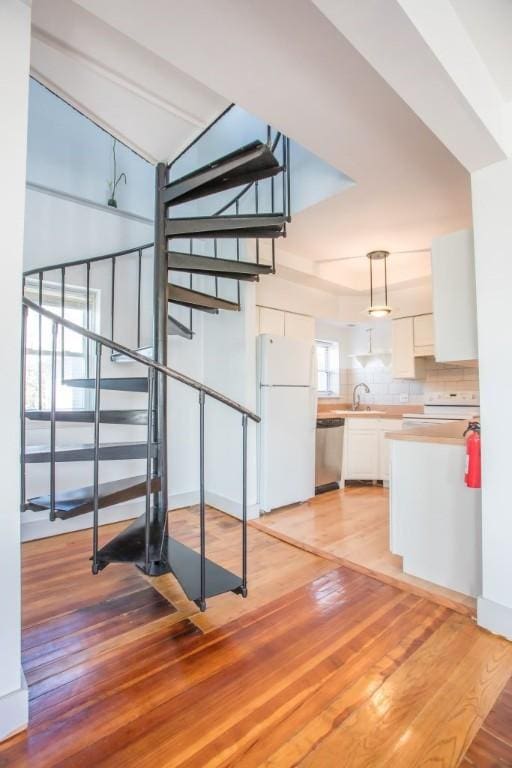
(332, 372)
(75, 297)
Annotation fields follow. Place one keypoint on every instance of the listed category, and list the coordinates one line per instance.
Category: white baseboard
(494, 617)
(14, 711)
(185, 499)
(36, 525)
(231, 507)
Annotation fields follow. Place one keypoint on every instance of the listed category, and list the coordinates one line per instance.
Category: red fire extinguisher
(472, 475)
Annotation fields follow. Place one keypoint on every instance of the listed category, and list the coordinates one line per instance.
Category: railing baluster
(190, 284)
(113, 297)
(202, 520)
(283, 175)
(40, 366)
(96, 470)
(88, 312)
(147, 520)
(215, 256)
(244, 505)
(257, 210)
(62, 307)
(237, 208)
(288, 180)
(139, 281)
(23, 398)
(52, 420)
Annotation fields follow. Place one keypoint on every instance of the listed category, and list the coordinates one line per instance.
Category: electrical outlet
(404, 397)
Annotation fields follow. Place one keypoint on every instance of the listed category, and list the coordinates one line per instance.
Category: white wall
(230, 368)
(492, 220)
(71, 154)
(15, 54)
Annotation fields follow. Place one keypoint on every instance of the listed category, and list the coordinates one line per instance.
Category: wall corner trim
(14, 711)
(495, 617)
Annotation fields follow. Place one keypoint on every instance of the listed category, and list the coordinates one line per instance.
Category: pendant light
(379, 310)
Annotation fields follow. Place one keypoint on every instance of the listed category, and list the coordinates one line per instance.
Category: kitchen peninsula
(435, 520)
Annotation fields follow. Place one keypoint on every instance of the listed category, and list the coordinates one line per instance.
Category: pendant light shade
(375, 309)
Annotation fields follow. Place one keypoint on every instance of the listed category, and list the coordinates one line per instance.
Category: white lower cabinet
(366, 450)
(362, 459)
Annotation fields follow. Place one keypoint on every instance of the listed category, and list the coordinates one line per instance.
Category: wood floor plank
(380, 731)
(143, 700)
(322, 665)
(351, 527)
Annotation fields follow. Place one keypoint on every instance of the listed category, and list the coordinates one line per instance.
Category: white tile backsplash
(439, 377)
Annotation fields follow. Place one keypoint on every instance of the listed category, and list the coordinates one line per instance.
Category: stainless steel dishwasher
(329, 454)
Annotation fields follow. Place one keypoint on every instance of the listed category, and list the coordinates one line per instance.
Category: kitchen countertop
(377, 411)
(450, 433)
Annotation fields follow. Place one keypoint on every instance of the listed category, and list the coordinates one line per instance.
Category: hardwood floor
(492, 746)
(352, 528)
(321, 666)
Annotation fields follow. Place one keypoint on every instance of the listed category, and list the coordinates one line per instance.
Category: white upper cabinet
(454, 297)
(280, 323)
(423, 329)
(404, 364)
(271, 321)
(299, 326)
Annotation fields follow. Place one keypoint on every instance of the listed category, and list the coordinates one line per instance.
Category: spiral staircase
(146, 542)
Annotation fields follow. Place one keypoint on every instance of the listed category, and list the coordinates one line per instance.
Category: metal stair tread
(79, 501)
(40, 454)
(121, 384)
(249, 225)
(208, 265)
(129, 546)
(251, 162)
(206, 302)
(131, 416)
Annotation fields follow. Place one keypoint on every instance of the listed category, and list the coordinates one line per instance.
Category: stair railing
(39, 274)
(280, 142)
(152, 367)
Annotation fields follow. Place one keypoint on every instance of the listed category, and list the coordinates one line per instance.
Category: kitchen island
(435, 520)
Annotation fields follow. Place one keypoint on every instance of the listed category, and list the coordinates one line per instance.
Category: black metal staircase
(147, 542)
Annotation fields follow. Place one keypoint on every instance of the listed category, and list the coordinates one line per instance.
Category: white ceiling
(139, 97)
(489, 24)
(287, 64)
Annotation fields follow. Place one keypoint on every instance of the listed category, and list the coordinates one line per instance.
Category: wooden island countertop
(450, 433)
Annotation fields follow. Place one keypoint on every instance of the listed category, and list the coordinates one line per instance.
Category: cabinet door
(300, 327)
(271, 321)
(402, 342)
(454, 297)
(423, 326)
(362, 459)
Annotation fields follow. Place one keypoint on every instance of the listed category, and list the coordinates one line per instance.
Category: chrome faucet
(356, 398)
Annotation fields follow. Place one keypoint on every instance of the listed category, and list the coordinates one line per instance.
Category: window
(328, 368)
(39, 363)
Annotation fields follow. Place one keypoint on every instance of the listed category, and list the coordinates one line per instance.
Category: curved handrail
(90, 260)
(170, 372)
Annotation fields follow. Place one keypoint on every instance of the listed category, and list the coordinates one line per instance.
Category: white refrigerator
(287, 406)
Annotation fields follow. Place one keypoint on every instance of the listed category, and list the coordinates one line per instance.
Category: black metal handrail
(153, 368)
(89, 260)
(136, 357)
